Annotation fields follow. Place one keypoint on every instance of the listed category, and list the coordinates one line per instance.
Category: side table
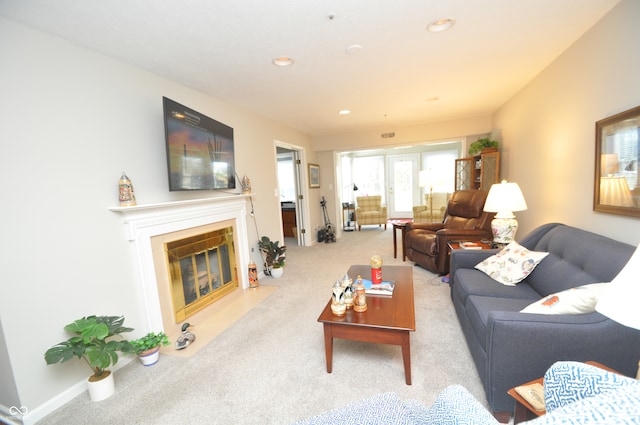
(402, 225)
(524, 411)
(454, 245)
(348, 223)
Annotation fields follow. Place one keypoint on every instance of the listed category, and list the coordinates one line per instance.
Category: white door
(402, 178)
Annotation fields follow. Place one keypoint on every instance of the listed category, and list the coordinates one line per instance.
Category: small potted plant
(481, 144)
(148, 347)
(274, 256)
(94, 342)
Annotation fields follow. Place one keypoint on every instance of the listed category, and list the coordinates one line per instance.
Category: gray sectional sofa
(509, 347)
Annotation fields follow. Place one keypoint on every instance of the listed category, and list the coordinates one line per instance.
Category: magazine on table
(384, 288)
(470, 245)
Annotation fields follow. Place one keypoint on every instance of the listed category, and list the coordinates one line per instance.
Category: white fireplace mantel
(142, 222)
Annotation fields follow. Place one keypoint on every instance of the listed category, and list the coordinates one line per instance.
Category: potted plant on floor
(94, 342)
(148, 347)
(480, 145)
(274, 256)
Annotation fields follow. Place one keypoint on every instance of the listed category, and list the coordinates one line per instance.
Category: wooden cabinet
(289, 221)
(478, 172)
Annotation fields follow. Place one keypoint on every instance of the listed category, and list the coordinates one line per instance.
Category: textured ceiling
(225, 47)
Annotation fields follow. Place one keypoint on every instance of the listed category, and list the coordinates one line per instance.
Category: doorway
(402, 170)
(290, 188)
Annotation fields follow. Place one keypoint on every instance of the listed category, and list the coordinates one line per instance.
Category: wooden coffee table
(388, 320)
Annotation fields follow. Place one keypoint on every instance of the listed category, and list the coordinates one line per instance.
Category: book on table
(534, 394)
(470, 245)
(384, 288)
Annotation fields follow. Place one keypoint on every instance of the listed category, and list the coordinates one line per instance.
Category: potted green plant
(94, 342)
(275, 256)
(148, 347)
(481, 144)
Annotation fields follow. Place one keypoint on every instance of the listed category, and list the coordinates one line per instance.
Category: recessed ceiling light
(441, 25)
(344, 112)
(283, 61)
(354, 49)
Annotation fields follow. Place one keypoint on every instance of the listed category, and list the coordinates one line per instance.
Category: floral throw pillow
(579, 300)
(512, 264)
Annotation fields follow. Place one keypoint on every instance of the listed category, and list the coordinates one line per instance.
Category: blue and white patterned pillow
(568, 382)
(455, 406)
(619, 406)
(379, 409)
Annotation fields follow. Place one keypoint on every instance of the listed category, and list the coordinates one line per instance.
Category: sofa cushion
(512, 264)
(576, 257)
(479, 308)
(578, 300)
(474, 282)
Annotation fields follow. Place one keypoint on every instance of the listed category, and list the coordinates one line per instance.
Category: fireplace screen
(201, 270)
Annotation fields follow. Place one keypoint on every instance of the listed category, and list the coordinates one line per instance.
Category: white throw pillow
(578, 300)
(512, 264)
(620, 301)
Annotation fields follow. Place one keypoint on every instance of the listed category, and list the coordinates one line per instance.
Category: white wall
(72, 122)
(548, 129)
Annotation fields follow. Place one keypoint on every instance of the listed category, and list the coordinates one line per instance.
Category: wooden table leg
(328, 346)
(521, 413)
(406, 357)
(395, 246)
(404, 232)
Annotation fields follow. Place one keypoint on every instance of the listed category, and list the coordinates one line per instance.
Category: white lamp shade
(505, 197)
(615, 191)
(620, 299)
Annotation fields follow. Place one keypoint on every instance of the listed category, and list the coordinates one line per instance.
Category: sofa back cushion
(576, 257)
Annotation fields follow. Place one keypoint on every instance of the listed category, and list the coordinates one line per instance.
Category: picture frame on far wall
(616, 189)
(314, 176)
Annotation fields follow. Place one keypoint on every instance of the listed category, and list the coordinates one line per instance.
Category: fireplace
(156, 230)
(201, 270)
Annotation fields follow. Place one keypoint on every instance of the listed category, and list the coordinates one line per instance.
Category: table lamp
(503, 199)
(619, 301)
(615, 191)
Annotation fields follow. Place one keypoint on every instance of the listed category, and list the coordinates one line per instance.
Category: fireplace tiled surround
(149, 226)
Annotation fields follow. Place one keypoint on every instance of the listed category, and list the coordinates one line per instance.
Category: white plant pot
(102, 389)
(277, 272)
(150, 357)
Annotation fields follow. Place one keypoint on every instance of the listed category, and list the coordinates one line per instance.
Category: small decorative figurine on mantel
(245, 183)
(127, 197)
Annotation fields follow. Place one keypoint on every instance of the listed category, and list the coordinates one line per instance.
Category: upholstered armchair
(370, 211)
(464, 220)
(422, 213)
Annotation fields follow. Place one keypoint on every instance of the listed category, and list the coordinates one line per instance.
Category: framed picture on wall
(617, 181)
(314, 176)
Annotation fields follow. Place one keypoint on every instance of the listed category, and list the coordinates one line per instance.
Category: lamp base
(504, 230)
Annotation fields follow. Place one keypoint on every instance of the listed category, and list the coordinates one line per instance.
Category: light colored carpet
(269, 366)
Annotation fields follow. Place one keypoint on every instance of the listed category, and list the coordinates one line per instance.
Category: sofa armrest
(521, 347)
(419, 208)
(434, 227)
(467, 259)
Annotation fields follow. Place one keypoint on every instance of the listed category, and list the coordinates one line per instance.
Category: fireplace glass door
(201, 271)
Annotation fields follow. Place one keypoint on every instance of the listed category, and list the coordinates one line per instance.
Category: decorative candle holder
(360, 302)
(338, 306)
(376, 269)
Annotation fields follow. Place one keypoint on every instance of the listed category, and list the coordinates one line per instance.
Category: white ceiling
(225, 47)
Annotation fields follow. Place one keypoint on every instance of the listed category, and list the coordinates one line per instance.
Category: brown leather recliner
(464, 220)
